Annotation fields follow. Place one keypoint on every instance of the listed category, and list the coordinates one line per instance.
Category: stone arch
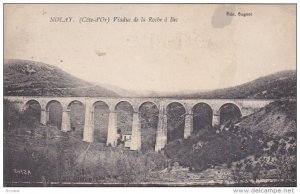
(175, 121)
(77, 117)
(124, 113)
(54, 109)
(148, 102)
(100, 121)
(148, 116)
(33, 109)
(229, 113)
(28, 102)
(202, 116)
(74, 101)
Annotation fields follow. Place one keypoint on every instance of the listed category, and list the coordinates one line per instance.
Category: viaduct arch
(33, 108)
(202, 116)
(245, 107)
(54, 113)
(175, 121)
(148, 115)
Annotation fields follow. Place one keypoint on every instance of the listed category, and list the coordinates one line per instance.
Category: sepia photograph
(149, 95)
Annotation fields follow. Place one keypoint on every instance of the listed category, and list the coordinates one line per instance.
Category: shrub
(210, 149)
(14, 118)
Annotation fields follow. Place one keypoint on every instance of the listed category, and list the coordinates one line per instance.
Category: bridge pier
(188, 121)
(66, 121)
(44, 116)
(112, 134)
(216, 118)
(161, 136)
(188, 125)
(88, 131)
(136, 139)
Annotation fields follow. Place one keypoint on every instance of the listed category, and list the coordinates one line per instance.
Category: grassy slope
(22, 77)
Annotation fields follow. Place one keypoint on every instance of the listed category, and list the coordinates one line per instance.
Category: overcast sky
(204, 50)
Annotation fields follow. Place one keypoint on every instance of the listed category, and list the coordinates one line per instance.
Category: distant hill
(279, 85)
(275, 86)
(24, 77)
(133, 93)
(120, 91)
(30, 78)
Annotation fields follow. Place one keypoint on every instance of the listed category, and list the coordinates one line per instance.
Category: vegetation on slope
(35, 153)
(208, 148)
(277, 118)
(253, 148)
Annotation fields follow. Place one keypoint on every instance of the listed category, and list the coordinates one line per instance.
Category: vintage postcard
(200, 95)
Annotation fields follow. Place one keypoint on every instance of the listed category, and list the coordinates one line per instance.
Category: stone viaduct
(246, 107)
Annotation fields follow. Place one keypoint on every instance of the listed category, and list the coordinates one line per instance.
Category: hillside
(30, 78)
(275, 86)
(277, 118)
(23, 77)
(270, 132)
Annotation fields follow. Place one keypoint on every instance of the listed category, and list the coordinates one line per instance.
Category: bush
(209, 149)
(11, 115)
(14, 118)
